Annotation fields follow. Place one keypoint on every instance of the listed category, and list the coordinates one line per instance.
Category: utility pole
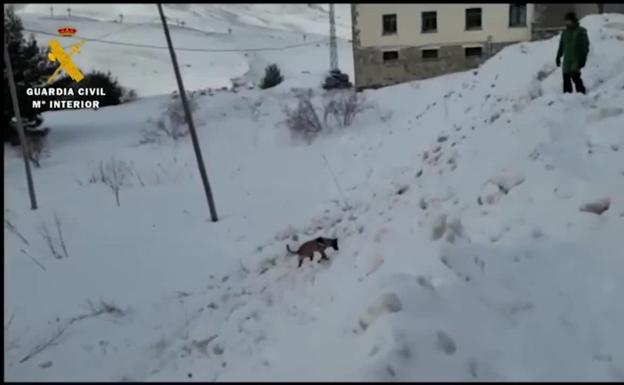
(189, 118)
(333, 49)
(20, 127)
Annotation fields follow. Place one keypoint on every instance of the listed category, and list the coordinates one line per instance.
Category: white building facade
(393, 43)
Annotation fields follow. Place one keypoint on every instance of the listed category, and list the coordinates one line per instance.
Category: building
(394, 43)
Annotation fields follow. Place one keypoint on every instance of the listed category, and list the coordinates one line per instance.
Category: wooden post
(20, 126)
(189, 119)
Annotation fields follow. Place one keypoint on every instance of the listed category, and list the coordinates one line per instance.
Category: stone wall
(372, 72)
(613, 7)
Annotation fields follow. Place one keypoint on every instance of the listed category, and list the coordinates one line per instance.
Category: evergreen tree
(30, 68)
(272, 77)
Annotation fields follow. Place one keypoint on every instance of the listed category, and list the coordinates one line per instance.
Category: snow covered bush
(172, 122)
(272, 77)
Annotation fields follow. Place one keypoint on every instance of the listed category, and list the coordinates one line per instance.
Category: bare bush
(56, 245)
(59, 232)
(172, 122)
(344, 106)
(341, 107)
(37, 150)
(114, 174)
(303, 121)
(47, 237)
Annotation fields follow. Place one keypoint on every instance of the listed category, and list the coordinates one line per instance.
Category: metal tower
(333, 49)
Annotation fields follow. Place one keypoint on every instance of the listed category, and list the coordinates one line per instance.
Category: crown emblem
(67, 31)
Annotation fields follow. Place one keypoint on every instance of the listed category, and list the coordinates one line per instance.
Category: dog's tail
(289, 250)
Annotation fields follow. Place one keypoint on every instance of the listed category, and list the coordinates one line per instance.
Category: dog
(307, 249)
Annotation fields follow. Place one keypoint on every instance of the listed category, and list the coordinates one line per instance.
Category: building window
(473, 18)
(429, 54)
(390, 24)
(390, 56)
(473, 51)
(517, 15)
(429, 21)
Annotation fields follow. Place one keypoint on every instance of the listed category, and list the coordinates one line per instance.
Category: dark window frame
(423, 56)
(388, 32)
(387, 60)
(522, 9)
(471, 13)
(428, 15)
(473, 49)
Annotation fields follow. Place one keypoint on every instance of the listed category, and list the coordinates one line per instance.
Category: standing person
(574, 47)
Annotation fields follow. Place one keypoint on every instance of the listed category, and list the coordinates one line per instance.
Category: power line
(136, 45)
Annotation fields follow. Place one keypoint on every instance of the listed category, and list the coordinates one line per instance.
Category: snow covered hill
(464, 252)
(292, 36)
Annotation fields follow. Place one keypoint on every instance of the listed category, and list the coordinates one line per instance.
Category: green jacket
(574, 47)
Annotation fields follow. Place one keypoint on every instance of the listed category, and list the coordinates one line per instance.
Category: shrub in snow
(340, 107)
(304, 121)
(272, 77)
(114, 174)
(55, 244)
(343, 107)
(172, 121)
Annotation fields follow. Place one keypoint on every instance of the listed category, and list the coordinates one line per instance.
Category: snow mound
(428, 283)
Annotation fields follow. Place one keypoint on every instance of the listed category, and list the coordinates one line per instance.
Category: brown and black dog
(307, 249)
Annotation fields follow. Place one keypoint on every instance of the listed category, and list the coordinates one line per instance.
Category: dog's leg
(323, 257)
(300, 261)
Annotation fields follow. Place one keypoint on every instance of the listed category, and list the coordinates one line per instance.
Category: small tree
(114, 174)
(272, 77)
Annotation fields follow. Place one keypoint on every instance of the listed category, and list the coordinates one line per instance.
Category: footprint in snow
(445, 343)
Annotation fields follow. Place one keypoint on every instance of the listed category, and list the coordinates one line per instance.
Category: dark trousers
(575, 77)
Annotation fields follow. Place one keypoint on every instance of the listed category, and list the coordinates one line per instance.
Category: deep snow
(428, 284)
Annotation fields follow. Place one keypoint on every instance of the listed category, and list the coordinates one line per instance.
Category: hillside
(209, 56)
(463, 251)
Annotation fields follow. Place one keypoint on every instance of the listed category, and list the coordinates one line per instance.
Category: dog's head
(334, 243)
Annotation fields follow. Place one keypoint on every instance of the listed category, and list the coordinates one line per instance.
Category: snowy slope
(482, 268)
(261, 34)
